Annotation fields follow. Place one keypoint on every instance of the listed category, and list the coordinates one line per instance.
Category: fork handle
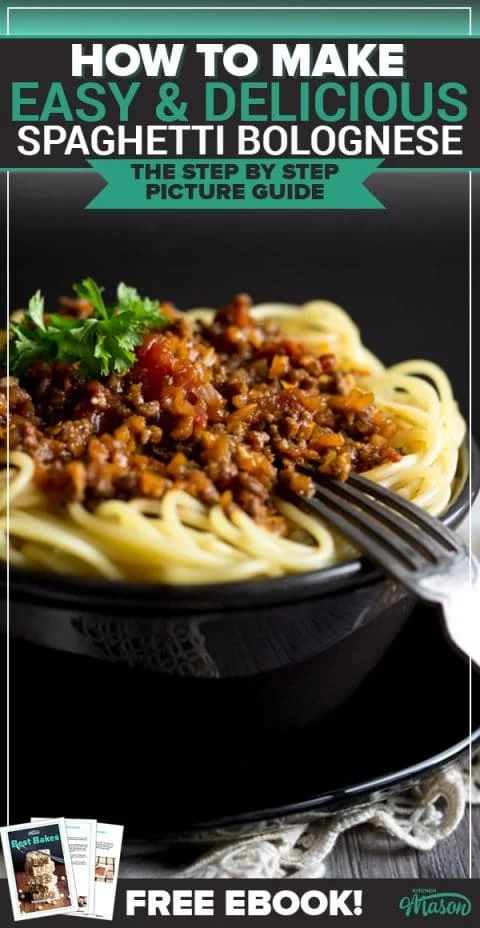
(461, 615)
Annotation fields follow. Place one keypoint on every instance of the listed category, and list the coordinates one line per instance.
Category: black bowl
(253, 657)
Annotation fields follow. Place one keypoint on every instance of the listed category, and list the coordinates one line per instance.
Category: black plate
(410, 717)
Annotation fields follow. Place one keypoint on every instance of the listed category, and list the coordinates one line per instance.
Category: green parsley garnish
(103, 343)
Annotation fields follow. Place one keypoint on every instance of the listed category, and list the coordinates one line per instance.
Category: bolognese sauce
(224, 411)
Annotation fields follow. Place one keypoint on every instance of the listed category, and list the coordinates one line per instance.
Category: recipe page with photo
(39, 871)
(81, 836)
(107, 862)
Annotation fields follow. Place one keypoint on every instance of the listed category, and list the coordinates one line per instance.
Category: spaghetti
(169, 525)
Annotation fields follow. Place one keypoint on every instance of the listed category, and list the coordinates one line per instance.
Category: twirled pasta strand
(180, 541)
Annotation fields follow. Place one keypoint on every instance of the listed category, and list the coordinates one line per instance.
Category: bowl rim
(92, 595)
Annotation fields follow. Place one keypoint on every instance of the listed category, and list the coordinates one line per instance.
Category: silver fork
(409, 545)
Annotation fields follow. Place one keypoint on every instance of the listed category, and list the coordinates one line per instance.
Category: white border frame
(470, 327)
(12, 883)
(249, 8)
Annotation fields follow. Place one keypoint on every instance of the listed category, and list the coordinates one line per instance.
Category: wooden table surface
(366, 853)
(362, 853)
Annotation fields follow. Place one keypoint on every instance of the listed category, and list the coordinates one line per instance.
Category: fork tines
(403, 539)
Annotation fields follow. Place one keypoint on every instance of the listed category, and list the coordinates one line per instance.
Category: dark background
(402, 272)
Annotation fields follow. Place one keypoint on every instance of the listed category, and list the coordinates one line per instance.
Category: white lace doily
(298, 846)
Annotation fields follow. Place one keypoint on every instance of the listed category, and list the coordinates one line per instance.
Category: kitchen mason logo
(426, 902)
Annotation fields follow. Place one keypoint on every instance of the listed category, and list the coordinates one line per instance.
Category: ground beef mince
(223, 411)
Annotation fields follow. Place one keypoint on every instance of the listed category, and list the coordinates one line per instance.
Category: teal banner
(243, 18)
(221, 183)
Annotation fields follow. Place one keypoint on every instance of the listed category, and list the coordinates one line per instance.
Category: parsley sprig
(104, 343)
